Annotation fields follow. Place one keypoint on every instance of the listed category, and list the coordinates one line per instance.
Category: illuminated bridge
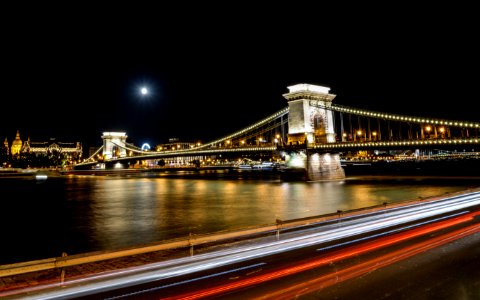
(312, 133)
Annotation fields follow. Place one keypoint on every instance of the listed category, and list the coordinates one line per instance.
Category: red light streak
(369, 266)
(350, 251)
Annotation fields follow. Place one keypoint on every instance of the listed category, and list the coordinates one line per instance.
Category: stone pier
(310, 122)
(314, 166)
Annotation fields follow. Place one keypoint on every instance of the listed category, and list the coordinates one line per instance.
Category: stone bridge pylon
(114, 145)
(307, 122)
(310, 121)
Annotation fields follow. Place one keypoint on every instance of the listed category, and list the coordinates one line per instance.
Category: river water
(43, 218)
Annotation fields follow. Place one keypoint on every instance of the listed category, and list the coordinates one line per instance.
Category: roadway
(325, 261)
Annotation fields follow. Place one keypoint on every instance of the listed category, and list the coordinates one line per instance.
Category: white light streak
(341, 228)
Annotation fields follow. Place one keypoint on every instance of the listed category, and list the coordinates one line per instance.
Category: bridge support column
(324, 166)
(309, 119)
(303, 165)
(114, 144)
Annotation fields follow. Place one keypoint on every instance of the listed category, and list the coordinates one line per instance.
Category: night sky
(72, 76)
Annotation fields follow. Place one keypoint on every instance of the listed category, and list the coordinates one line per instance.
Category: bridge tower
(306, 122)
(310, 122)
(114, 144)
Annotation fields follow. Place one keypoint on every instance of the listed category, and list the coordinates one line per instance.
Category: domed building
(16, 145)
(65, 152)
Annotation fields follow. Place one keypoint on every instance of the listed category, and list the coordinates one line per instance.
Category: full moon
(144, 91)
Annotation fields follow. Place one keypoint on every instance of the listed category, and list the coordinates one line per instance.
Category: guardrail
(194, 240)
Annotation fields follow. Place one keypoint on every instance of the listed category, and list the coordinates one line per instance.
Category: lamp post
(359, 133)
(428, 128)
(442, 132)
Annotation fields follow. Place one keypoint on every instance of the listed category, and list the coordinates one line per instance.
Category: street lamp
(442, 131)
(359, 133)
(428, 128)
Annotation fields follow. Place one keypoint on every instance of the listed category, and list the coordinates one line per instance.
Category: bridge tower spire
(308, 120)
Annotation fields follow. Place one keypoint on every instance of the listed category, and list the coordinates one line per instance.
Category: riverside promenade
(20, 278)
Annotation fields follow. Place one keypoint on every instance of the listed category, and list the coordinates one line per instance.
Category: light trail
(188, 265)
(333, 257)
(389, 232)
(185, 281)
(368, 266)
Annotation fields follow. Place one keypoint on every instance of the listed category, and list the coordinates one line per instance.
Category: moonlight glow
(144, 91)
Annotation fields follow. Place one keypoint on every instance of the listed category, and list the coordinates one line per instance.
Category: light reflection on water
(83, 214)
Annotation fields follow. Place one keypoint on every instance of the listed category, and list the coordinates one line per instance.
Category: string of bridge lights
(394, 117)
(471, 141)
(256, 125)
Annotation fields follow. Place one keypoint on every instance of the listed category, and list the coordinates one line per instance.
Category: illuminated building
(71, 150)
(16, 145)
(174, 144)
